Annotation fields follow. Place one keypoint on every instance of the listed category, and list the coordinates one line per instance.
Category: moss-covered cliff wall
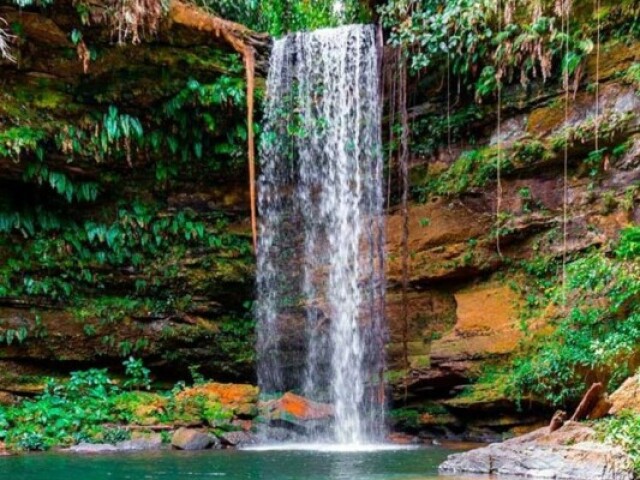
(494, 340)
(123, 204)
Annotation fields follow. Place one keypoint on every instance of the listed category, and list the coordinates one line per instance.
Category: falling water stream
(320, 255)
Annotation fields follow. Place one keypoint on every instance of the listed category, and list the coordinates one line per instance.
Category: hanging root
(5, 39)
(240, 39)
(250, 67)
(133, 19)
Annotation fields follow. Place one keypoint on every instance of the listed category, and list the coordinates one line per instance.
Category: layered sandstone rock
(570, 453)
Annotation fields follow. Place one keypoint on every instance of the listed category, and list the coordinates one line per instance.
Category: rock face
(191, 439)
(467, 302)
(569, 453)
(627, 397)
(179, 306)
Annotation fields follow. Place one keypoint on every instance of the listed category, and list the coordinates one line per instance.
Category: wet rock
(298, 411)
(569, 453)
(237, 439)
(192, 439)
(93, 448)
(141, 443)
(403, 439)
(280, 435)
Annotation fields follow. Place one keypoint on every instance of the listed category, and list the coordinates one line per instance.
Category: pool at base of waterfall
(252, 464)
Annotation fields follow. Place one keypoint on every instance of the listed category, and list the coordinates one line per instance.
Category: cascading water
(320, 255)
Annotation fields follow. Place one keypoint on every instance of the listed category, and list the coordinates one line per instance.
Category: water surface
(414, 464)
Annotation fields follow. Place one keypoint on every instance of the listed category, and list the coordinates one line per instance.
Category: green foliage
(236, 342)
(405, 418)
(594, 338)
(623, 430)
(432, 130)
(473, 169)
(629, 246)
(279, 17)
(17, 141)
(485, 48)
(115, 435)
(137, 236)
(62, 414)
(137, 373)
(90, 407)
(632, 75)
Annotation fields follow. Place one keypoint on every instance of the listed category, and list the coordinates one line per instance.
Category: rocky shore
(569, 453)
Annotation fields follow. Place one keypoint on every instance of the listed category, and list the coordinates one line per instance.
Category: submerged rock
(192, 439)
(569, 453)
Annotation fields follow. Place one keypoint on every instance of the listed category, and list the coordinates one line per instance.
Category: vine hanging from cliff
(403, 164)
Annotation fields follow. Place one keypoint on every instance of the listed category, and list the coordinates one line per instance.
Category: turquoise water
(418, 464)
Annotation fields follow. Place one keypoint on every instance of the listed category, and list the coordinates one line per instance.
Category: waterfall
(320, 274)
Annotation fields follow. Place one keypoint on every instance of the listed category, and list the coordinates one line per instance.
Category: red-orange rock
(298, 410)
(402, 439)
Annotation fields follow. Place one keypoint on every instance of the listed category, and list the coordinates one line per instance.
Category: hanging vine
(563, 8)
(404, 176)
(499, 134)
(238, 37)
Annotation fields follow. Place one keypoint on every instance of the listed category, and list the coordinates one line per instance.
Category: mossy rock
(141, 408)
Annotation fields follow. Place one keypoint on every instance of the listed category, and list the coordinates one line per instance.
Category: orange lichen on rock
(295, 407)
(487, 323)
(240, 398)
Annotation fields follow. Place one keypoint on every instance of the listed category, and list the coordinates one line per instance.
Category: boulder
(93, 448)
(569, 453)
(298, 411)
(141, 443)
(237, 439)
(192, 439)
(241, 399)
(627, 397)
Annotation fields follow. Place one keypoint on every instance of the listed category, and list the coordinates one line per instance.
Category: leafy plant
(623, 430)
(595, 335)
(137, 373)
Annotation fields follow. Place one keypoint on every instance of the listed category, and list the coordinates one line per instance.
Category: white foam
(330, 447)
